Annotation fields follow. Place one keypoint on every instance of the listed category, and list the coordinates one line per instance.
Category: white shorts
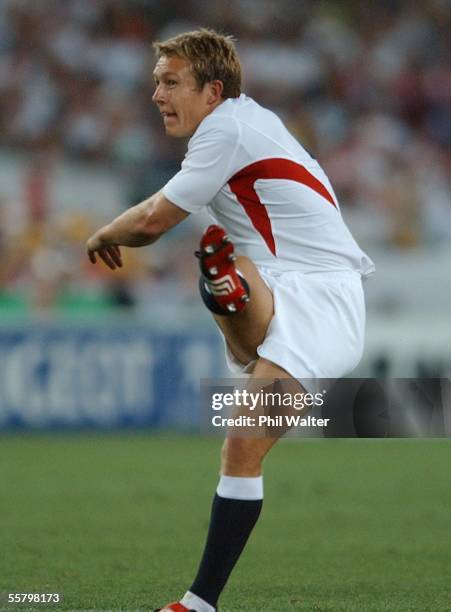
(318, 327)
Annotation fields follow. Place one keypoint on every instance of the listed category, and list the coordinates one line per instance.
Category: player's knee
(241, 457)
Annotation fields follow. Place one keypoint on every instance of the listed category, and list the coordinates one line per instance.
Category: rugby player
(280, 271)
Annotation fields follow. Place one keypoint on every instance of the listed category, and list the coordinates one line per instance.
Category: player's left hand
(110, 254)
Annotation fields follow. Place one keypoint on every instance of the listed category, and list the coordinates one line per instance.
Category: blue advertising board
(107, 377)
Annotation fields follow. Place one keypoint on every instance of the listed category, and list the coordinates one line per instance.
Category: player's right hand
(110, 254)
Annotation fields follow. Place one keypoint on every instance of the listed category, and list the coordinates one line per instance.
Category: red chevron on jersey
(242, 185)
(268, 193)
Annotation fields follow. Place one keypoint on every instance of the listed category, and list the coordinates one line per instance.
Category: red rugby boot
(224, 283)
(174, 607)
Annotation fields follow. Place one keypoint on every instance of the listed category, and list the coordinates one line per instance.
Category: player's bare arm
(138, 226)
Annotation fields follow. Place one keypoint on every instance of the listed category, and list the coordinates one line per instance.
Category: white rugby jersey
(269, 194)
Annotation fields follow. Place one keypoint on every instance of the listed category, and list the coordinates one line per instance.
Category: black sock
(231, 523)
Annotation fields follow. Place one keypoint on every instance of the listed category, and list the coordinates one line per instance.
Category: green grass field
(118, 522)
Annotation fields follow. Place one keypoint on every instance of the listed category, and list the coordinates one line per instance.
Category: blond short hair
(212, 56)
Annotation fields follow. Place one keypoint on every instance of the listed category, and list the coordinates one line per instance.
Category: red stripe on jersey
(242, 185)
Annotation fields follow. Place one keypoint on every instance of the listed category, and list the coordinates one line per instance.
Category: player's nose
(158, 95)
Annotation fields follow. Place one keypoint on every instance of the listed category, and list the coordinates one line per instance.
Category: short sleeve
(208, 165)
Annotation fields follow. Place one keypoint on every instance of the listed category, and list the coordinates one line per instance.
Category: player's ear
(215, 91)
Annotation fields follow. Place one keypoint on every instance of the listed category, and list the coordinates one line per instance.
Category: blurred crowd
(366, 87)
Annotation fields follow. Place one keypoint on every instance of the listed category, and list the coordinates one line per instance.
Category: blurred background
(365, 87)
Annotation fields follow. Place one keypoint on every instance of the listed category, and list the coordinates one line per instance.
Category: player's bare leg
(242, 455)
(232, 288)
(239, 496)
(246, 330)
(243, 307)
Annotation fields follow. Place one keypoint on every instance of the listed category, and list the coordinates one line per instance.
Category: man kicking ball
(280, 271)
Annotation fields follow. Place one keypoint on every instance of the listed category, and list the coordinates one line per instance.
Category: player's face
(177, 95)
